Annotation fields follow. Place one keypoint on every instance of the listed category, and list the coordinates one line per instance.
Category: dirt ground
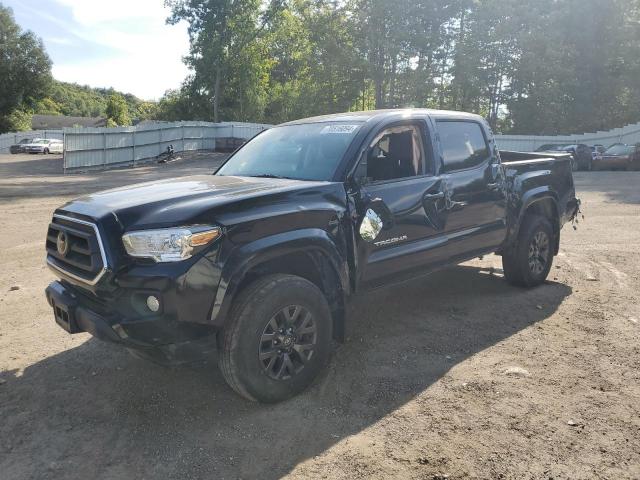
(456, 375)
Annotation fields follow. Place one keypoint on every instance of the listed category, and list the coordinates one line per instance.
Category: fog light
(153, 303)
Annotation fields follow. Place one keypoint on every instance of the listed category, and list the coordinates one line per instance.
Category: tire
(46, 151)
(529, 261)
(574, 165)
(249, 347)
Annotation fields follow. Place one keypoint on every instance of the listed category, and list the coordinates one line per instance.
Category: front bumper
(77, 312)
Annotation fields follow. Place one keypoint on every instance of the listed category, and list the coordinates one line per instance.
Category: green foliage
(25, 72)
(536, 67)
(17, 121)
(48, 106)
(82, 101)
(117, 110)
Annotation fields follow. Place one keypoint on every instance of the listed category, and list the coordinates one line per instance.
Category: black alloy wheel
(288, 342)
(539, 251)
(277, 338)
(528, 262)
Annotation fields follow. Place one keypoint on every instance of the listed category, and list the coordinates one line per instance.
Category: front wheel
(278, 338)
(529, 261)
(46, 151)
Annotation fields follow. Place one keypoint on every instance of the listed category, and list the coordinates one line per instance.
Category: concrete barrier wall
(101, 148)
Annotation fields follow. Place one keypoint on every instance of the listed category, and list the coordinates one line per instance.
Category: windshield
(620, 150)
(304, 152)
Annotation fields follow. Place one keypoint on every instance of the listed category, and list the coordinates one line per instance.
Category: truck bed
(542, 172)
(509, 156)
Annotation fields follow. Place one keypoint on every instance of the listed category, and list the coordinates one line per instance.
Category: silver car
(44, 146)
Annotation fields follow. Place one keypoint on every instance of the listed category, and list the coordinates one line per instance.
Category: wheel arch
(543, 203)
(309, 254)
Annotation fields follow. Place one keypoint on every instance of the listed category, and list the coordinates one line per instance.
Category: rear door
(472, 179)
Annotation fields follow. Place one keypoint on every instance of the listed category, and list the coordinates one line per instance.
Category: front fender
(248, 256)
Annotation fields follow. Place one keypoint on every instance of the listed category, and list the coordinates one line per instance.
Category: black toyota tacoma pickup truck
(264, 255)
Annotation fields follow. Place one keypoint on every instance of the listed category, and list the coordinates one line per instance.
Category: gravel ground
(456, 375)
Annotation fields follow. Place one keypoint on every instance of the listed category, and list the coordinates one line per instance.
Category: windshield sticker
(347, 129)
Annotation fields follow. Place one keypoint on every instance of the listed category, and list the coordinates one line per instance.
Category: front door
(399, 204)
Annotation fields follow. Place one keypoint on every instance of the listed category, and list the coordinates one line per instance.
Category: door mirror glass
(371, 226)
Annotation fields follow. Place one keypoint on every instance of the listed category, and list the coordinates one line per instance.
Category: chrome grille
(74, 249)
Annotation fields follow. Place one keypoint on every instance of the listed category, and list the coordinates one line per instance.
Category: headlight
(168, 245)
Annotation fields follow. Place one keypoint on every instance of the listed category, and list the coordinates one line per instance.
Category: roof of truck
(369, 115)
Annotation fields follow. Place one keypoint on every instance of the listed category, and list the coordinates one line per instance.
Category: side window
(463, 145)
(398, 152)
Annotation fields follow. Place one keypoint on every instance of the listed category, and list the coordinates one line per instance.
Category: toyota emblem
(62, 243)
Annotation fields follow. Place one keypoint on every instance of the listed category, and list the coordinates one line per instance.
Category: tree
(224, 54)
(18, 121)
(117, 110)
(25, 71)
(531, 67)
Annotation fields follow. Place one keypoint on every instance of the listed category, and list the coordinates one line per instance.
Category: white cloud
(146, 54)
(59, 40)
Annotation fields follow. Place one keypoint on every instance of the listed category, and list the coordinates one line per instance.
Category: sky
(124, 44)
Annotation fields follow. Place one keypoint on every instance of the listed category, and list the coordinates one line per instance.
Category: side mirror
(371, 226)
(377, 217)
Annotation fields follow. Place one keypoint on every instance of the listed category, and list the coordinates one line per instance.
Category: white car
(44, 146)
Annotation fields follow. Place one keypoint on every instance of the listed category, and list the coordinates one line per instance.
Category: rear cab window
(463, 144)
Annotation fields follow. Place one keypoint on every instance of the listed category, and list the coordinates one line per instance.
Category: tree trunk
(216, 95)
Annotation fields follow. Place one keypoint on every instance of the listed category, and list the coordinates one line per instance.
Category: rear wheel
(278, 338)
(528, 263)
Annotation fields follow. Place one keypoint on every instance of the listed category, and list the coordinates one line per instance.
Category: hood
(182, 201)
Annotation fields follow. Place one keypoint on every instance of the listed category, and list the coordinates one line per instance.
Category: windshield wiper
(270, 175)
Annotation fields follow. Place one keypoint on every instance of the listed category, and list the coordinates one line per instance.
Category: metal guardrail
(101, 148)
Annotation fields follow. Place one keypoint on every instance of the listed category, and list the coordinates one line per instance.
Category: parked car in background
(19, 147)
(44, 146)
(582, 155)
(549, 147)
(619, 157)
(597, 151)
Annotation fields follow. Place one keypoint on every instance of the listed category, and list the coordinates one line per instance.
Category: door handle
(434, 196)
